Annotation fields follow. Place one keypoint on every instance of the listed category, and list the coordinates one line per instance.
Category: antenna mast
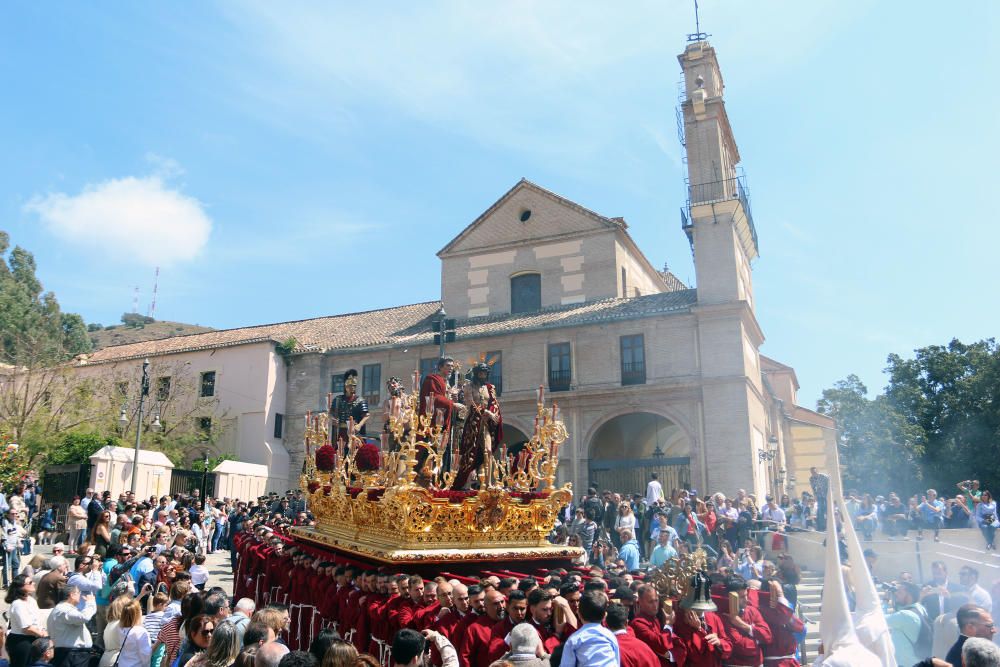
(156, 283)
(135, 300)
(697, 35)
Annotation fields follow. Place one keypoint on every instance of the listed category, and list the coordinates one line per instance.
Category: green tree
(75, 447)
(950, 392)
(879, 449)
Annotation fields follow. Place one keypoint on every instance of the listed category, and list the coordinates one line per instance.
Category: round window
(525, 215)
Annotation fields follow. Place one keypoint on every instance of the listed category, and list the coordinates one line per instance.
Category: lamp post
(143, 393)
(204, 478)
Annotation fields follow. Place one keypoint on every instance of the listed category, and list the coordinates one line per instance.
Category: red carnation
(325, 458)
(367, 458)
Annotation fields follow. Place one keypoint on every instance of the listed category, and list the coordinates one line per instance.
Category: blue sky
(289, 160)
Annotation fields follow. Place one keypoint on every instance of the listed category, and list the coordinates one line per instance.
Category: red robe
(498, 640)
(426, 616)
(437, 385)
(650, 631)
(784, 624)
(747, 649)
(699, 653)
(475, 651)
(549, 638)
(447, 624)
(458, 633)
(634, 652)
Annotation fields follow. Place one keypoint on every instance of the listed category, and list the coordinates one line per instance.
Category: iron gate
(184, 482)
(631, 476)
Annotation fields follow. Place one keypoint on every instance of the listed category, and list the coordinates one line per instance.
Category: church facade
(649, 374)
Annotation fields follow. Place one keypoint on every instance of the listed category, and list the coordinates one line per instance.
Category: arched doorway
(514, 438)
(627, 449)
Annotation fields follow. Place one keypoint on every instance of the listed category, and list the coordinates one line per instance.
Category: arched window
(526, 293)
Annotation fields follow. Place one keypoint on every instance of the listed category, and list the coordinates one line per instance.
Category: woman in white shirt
(112, 639)
(136, 646)
(625, 520)
(25, 620)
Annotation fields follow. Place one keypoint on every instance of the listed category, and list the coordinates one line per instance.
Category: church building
(649, 374)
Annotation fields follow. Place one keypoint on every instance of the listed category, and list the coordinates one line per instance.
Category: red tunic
(650, 631)
(784, 624)
(634, 652)
(498, 640)
(699, 653)
(458, 633)
(437, 385)
(550, 640)
(747, 649)
(446, 625)
(475, 651)
(353, 610)
(426, 615)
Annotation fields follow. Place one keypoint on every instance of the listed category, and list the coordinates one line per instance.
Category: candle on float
(429, 404)
(416, 381)
(536, 424)
(385, 440)
(540, 393)
(555, 410)
(439, 417)
(350, 426)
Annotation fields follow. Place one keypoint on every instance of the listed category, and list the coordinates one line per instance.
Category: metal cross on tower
(697, 35)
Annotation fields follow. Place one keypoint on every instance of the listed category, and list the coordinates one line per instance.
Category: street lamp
(204, 477)
(143, 393)
(771, 451)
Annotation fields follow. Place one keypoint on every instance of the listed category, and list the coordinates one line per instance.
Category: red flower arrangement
(375, 494)
(354, 491)
(527, 496)
(313, 486)
(368, 458)
(454, 496)
(326, 457)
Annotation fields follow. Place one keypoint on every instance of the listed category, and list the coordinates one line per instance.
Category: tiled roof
(404, 325)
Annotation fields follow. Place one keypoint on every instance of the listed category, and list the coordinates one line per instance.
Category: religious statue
(483, 428)
(438, 398)
(392, 407)
(349, 405)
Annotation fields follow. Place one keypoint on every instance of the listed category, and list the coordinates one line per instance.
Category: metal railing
(634, 373)
(559, 380)
(719, 191)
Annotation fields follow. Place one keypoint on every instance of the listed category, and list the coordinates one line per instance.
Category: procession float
(430, 496)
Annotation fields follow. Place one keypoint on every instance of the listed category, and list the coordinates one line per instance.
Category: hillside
(121, 334)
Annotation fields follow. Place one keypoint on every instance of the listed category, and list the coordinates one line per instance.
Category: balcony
(559, 380)
(633, 373)
(715, 192)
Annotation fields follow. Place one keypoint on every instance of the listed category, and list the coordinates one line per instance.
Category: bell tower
(717, 216)
(718, 223)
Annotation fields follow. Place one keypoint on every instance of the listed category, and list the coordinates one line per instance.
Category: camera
(889, 586)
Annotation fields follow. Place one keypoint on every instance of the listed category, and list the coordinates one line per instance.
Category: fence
(184, 482)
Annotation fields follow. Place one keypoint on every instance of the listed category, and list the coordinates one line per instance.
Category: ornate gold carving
(386, 513)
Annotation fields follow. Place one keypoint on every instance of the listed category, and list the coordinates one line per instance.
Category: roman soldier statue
(348, 405)
(483, 428)
(395, 396)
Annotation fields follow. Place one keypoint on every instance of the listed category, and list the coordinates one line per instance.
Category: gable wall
(573, 270)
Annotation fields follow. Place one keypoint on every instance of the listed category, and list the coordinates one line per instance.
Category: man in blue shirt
(592, 645)
(629, 551)
(663, 552)
(931, 515)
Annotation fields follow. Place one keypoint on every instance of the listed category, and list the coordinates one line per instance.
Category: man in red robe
(745, 627)
(654, 629)
(704, 637)
(517, 612)
(777, 612)
(633, 651)
(450, 616)
(437, 395)
(474, 651)
(540, 617)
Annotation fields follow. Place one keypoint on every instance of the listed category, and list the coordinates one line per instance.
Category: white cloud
(133, 218)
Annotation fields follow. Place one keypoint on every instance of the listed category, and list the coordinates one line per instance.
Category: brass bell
(700, 598)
